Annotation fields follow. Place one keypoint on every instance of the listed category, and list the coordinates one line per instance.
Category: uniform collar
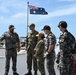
(50, 33)
(63, 32)
(32, 32)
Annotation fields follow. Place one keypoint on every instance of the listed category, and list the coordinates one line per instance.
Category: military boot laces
(15, 74)
(29, 73)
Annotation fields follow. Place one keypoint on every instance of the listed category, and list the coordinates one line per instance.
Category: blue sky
(15, 12)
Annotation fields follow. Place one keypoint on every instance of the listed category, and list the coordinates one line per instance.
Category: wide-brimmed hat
(41, 35)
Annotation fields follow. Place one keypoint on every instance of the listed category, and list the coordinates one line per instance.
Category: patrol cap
(41, 35)
(11, 26)
(62, 24)
(32, 24)
(46, 27)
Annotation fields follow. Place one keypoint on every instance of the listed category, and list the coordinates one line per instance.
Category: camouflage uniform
(11, 41)
(50, 39)
(31, 43)
(40, 56)
(66, 41)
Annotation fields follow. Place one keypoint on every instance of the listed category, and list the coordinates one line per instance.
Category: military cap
(11, 26)
(46, 27)
(41, 35)
(62, 24)
(32, 24)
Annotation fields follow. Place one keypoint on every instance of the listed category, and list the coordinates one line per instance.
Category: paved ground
(21, 64)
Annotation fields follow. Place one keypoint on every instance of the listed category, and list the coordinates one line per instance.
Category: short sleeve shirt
(50, 39)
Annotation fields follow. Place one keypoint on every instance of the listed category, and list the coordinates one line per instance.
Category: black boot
(6, 74)
(35, 73)
(29, 73)
(15, 73)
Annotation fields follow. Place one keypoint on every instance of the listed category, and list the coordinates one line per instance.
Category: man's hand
(74, 56)
(45, 54)
(25, 49)
(34, 50)
(34, 56)
(18, 49)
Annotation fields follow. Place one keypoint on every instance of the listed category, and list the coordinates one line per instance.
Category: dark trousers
(10, 54)
(67, 67)
(50, 64)
(30, 60)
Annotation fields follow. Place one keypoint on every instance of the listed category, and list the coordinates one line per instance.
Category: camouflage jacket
(67, 43)
(40, 49)
(31, 40)
(50, 39)
(11, 40)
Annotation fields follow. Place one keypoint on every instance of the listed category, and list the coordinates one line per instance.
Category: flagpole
(27, 15)
(27, 21)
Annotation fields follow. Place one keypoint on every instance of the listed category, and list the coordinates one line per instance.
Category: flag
(37, 10)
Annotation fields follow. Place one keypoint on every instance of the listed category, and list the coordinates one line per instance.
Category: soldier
(31, 43)
(40, 53)
(66, 42)
(74, 58)
(50, 52)
(11, 43)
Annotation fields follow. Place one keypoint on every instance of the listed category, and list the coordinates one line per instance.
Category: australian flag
(37, 10)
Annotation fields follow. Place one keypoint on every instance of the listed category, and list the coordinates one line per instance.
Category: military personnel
(50, 52)
(12, 44)
(31, 43)
(40, 53)
(66, 42)
(74, 57)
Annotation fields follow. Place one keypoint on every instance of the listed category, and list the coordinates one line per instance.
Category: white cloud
(63, 12)
(67, 0)
(60, 12)
(18, 18)
(19, 15)
(12, 5)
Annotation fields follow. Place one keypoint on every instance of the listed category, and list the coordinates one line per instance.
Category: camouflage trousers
(11, 53)
(50, 64)
(30, 60)
(40, 64)
(67, 66)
